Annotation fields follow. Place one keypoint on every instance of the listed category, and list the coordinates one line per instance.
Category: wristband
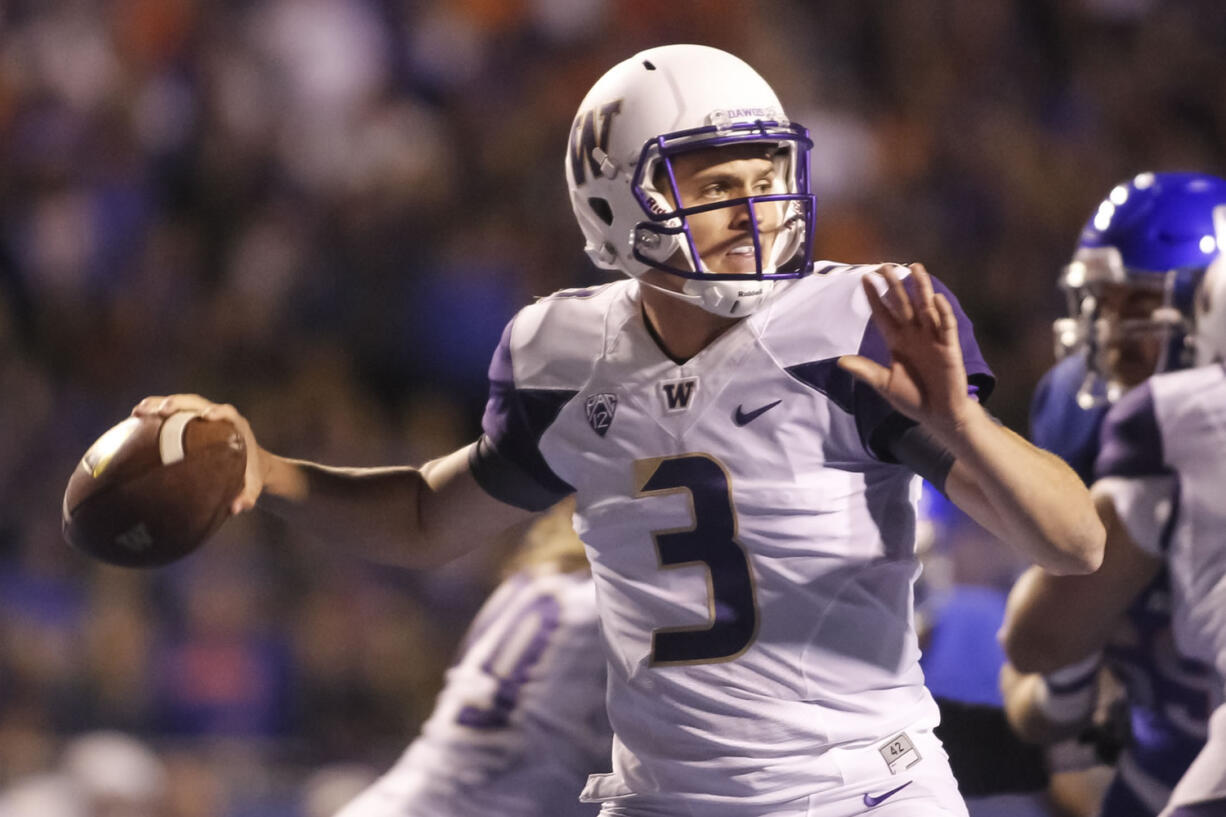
(1067, 695)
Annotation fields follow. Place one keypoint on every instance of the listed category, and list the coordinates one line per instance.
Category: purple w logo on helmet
(591, 131)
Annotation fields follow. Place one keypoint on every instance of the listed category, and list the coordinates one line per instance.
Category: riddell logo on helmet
(590, 131)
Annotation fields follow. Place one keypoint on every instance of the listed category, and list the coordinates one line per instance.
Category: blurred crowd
(324, 211)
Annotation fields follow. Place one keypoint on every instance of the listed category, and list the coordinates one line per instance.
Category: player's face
(1130, 356)
(724, 236)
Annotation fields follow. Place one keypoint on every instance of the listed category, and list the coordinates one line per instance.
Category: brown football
(151, 490)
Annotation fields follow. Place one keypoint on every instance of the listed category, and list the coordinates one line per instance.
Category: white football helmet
(660, 103)
(1210, 337)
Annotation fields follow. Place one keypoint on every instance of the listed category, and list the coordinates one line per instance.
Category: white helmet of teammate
(1211, 302)
(660, 103)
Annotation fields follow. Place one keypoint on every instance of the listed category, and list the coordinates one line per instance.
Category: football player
(520, 723)
(1160, 487)
(1131, 286)
(741, 428)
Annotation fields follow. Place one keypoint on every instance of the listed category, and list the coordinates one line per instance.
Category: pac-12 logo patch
(600, 409)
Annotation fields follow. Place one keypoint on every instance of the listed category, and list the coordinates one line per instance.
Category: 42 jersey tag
(899, 753)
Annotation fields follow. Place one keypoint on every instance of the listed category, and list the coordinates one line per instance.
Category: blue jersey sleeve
(1131, 440)
(1059, 425)
(507, 461)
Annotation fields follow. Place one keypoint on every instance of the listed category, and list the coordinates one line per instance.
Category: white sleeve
(1144, 505)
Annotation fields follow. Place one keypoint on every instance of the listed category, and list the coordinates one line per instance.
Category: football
(152, 489)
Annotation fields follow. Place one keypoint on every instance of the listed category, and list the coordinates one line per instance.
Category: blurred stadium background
(324, 211)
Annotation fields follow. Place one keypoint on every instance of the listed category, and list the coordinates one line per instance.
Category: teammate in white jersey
(521, 721)
(1131, 285)
(1159, 478)
(742, 439)
(1162, 471)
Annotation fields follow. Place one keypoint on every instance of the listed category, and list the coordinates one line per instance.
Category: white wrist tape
(1067, 695)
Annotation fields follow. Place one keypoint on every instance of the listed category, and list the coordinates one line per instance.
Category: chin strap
(728, 299)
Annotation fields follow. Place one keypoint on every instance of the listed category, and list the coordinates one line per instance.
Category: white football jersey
(753, 554)
(1162, 462)
(520, 722)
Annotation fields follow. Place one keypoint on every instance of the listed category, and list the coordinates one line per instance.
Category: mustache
(745, 239)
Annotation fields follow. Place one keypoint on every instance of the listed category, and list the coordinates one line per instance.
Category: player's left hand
(926, 379)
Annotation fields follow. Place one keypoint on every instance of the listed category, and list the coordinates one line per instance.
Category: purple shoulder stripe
(513, 423)
(1130, 441)
(982, 381)
(828, 378)
(878, 424)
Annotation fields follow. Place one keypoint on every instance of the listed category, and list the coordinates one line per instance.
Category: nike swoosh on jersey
(871, 801)
(741, 417)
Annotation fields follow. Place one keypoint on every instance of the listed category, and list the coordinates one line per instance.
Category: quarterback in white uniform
(741, 437)
(753, 559)
(521, 721)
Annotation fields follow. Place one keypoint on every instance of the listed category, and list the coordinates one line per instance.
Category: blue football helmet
(1133, 277)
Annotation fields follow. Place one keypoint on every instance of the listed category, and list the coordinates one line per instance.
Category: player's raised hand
(926, 378)
(257, 458)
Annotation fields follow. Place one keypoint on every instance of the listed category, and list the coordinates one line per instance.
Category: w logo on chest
(678, 394)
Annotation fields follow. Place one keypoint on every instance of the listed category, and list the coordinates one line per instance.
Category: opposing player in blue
(1158, 487)
(1129, 291)
(1131, 287)
(742, 429)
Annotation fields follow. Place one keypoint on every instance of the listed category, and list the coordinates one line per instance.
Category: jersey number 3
(710, 541)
